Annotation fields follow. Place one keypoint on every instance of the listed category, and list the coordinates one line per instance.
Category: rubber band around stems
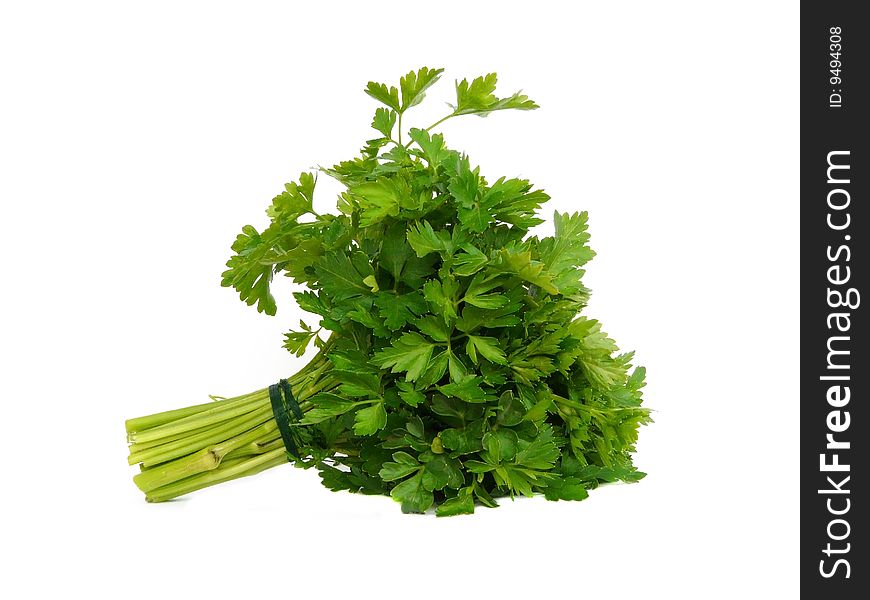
(283, 404)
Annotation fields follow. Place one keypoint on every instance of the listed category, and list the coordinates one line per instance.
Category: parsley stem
(209, 417)
(261, 446)
(149, 421)
(234, 470)
(190, 444)
(400, 128)
(439, 121)
(432, 126)
(207, 459)
(184, 450)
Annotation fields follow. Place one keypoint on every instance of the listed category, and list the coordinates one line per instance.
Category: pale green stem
(206, 459)
(192, 422)
(237, 469)
(151, 421)
(190, 444)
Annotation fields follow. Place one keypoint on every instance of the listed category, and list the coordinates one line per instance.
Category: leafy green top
(466, 370)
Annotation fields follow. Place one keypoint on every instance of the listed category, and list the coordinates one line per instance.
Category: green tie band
(283, 402)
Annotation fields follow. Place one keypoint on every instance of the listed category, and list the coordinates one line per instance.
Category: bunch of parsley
(454, 366)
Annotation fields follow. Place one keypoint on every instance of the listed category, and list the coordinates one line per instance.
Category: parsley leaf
(477, 97)
(409, 354)
(414, 84)
(384, 121)
(384, 94)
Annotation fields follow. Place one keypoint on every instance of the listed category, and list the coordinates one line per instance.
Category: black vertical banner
(835, 363)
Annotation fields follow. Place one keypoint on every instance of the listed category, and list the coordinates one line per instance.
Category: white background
(136, 140)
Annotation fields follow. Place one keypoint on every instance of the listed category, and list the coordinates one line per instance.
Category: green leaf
(357, 384)
(476, 466)
(379, 199)
(539, 411)
(473, 317)
(295, 200)
(409, 354)
(297, 341)
(434, 150)
(440, 296)
(415, 427)
(520, 480)
(566, 488)
(409, 395)
(370, 420)
(521, 264)
(297, 261)
(476, 294)
(413, 496)
(327, 406)
(455, 412)
(436, 369)
(540, 453)
(510, 410)
(469, 262)
(461, 504)
(424, 240)
(565, 252)
(404, 465)
(365, 317)
(513, 201)
(464, 187)
(395, 252)
(441, 472)
(500, 444)
(465, 440)
(457, 368)
(343, 276)
(418, 270)
(398, 310)
(384, 121)
(354, 480)
(433, 327)
(478, 98)
(247, 274)
(467, 390)
(488, 347)
(414, 84)
(384, 94)
(351, 359)
(313, 303)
